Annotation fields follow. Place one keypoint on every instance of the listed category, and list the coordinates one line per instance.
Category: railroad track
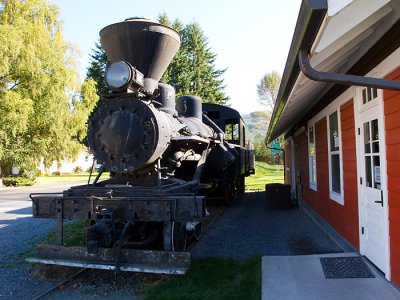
(214, 210)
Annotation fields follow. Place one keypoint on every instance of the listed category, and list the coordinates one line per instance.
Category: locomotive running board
(130, 260)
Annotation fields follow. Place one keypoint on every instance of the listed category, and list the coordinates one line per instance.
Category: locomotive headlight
(118, 75)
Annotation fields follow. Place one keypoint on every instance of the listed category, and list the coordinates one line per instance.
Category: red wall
(288, 163)
(301, 159)
(392, 126)
(344, 218)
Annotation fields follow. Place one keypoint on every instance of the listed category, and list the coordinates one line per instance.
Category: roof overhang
(339, 37)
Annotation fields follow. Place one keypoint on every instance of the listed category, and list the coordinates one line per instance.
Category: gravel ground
(246, 228)
(21, 280)
(19, 232)
(17, 239)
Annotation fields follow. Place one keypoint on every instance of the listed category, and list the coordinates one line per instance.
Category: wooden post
(60, 225)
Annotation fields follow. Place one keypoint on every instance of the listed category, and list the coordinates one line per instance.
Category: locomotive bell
(147, 45)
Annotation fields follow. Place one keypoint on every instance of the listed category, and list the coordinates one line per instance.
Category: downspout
(345, 79)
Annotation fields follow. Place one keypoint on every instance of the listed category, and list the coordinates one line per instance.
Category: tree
(192, 71)
(257, 122)
(98, 64)
(267, 89)
(43, 107)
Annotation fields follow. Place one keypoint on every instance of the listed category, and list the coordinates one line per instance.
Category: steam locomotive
(164, 156)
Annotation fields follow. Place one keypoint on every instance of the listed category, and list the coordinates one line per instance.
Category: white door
(373, 187)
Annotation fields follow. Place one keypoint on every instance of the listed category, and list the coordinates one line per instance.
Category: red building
(342, 133)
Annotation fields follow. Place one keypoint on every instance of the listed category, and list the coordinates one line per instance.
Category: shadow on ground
(246, 228)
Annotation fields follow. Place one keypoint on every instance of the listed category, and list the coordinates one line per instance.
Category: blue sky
(249, 37)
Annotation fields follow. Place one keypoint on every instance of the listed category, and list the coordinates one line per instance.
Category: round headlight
(118, 75)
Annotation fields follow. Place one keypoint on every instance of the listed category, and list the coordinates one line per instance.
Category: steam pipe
(344, 79)
(209, 122)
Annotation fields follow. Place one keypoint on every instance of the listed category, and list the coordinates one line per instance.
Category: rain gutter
(311, 16)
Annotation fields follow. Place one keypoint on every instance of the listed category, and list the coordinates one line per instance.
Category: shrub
(78, 169)
(17, 181)
(30, 173)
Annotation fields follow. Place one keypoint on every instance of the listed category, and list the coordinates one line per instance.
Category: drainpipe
(345, 79)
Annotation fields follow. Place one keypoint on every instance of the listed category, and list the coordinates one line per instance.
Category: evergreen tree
(42, 106)
(97, 68)
(193, 70)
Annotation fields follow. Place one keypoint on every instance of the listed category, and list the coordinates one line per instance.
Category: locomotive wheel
(180, 236)
(229, 192)
(242, 185)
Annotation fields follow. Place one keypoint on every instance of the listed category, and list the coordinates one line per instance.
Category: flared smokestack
(145, 44)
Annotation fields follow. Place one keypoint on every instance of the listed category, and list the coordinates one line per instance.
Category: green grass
(212, 278)
(73, 234)
(71, 177)
(265, 173)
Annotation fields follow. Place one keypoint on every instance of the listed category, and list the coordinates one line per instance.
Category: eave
(335, 43)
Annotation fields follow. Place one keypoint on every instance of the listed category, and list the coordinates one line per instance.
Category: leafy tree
(43, 108)
(257, 123)
(267, 89)
(192, 71)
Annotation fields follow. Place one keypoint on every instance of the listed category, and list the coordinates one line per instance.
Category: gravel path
(246, 228)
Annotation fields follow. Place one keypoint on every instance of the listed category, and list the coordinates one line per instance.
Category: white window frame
(312, 182)
(335, 196)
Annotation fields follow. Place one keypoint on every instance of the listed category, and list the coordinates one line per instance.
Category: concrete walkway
(302, 278)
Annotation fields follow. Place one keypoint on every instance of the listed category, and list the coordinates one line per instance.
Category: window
(232, 132)
(371, 154)
(312, 162)
(335, 168)
(369, 94)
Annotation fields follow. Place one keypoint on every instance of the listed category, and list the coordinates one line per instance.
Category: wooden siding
(392, 126)
(344, 218)
(301, 163)
(288, 163)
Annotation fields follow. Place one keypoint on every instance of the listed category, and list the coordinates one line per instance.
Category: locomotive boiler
(165, 157)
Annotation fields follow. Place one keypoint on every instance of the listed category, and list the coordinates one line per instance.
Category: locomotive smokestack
(145, 44)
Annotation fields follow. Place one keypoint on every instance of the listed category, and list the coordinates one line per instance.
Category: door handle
(381, 201)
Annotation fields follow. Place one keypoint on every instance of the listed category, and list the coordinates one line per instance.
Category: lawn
(212, 278)
(265, 173)
(71, 177)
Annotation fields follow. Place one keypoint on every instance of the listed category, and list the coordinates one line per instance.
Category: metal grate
(345, 267)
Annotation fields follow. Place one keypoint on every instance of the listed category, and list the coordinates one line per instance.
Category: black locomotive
(164, 156)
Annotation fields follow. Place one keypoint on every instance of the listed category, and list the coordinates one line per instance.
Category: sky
(250, 37)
